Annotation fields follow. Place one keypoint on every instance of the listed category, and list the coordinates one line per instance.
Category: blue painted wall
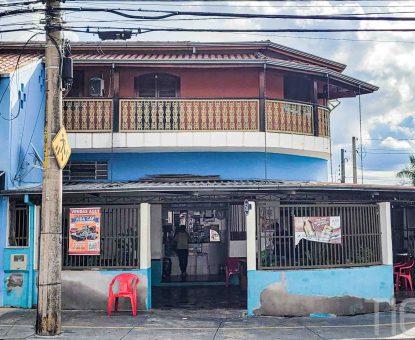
(229, 165)
(88, 289)
(22, 108)
(374, 282)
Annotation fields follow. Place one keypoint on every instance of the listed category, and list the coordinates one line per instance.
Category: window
(89, 170)
(119, 247)
(18, 224)
(297, 88)
(77, 89)
(157, 85)
(360, 237)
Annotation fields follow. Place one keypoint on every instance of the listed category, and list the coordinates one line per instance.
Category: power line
(163, 14)
(196, 4)
(169, 13)
(142, 30)
(23, 3)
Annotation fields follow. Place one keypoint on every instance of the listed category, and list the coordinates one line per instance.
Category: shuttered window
(88, 170)
(157, 85)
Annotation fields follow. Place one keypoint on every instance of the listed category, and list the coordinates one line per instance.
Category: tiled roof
(166, 57)
(8, 61)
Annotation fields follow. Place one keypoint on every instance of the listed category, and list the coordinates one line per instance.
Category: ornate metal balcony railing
(189, 114)
(283, 116)
(323, 122)
(142, 114)
(86, 114)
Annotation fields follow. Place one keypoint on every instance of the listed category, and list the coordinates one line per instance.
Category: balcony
(88, 115)
(194, 115)
(189, 115)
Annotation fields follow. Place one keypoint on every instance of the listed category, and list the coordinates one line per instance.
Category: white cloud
(393, 143)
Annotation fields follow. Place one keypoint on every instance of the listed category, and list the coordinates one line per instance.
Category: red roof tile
(8, 61)
(159, 57)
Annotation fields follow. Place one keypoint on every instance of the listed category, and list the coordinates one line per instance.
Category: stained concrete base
(209, 324)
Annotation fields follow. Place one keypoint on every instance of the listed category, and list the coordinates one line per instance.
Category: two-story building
(229, 140)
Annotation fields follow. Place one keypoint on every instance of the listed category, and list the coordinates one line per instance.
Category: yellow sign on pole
(61, 147)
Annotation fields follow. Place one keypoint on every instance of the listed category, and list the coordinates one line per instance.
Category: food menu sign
(319, 229)
(84, 231)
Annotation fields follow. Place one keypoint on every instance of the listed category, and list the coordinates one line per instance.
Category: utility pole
(48, 322)
(342, 167)
(354, 160)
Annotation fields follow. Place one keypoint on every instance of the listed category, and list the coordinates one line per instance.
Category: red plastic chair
(127, 288)
(404, 272)
(232, 268)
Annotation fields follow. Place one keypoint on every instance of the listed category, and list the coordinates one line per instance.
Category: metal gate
(360, 236)
(120, 230)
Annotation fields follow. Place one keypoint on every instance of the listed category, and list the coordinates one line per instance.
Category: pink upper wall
(198, 82)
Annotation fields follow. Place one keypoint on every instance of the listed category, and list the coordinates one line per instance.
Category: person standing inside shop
(182, 248)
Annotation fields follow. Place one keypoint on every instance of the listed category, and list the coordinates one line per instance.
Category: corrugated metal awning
(213, 186)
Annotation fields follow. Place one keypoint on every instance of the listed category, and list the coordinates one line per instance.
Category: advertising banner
(319, 229)
(84, 231)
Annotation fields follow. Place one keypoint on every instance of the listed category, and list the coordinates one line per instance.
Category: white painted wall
(145, 238)
(386, 232)
(284, 143)
(251, 238)
(156, 232)
(237, 248)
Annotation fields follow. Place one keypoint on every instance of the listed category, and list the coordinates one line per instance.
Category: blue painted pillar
(30, 256)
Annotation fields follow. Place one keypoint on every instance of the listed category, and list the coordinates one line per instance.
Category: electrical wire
(12, 77)
(23, 3)
(98, 29)
(169, 13)
(33, 133)
(163, 14)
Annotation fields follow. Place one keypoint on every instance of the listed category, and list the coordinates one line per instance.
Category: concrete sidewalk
(210, 324)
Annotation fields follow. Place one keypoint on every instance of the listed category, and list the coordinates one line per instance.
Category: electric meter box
(18, 262)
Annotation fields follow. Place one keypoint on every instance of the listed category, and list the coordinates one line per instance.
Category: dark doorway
(199, 297)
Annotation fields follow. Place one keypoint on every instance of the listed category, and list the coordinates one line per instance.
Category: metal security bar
(120, 230)
(360, 237)
(85, 170)
(19, 225)
(189, 114)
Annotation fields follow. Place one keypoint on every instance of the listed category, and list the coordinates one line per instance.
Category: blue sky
(384, 59)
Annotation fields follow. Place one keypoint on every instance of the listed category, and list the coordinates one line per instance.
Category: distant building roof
(8, 61)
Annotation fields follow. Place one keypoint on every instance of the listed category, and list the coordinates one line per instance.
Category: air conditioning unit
(96, 87)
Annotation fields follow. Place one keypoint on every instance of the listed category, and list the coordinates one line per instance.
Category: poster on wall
(319, 229)
(84, 231)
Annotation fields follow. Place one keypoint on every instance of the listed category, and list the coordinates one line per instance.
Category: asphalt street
(210, 324)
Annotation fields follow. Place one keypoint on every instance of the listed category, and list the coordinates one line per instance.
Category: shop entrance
(197, 246)
(403, 246)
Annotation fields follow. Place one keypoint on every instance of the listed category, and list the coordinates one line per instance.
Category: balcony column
(116, 98)
(262, 95)
(315, 107)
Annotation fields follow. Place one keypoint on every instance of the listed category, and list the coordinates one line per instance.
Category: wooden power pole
(354, 160)
(48, 322)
